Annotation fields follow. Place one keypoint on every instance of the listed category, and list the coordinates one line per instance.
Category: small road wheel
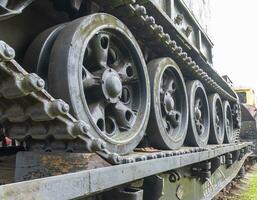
(228, 119)
(199, 117)
(217, 131)
(167, 126)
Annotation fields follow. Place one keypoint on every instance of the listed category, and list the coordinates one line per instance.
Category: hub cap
(111, 86)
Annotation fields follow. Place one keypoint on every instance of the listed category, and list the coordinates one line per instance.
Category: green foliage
(251, 192)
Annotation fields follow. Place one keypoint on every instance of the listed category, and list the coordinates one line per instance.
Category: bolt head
(65, 107)
(40, 83)
(9, 52)
(172, 178)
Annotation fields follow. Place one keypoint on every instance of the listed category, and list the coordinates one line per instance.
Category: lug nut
(40, 83)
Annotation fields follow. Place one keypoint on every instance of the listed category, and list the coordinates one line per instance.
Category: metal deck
(85, 183)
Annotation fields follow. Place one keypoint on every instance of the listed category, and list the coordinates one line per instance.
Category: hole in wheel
(173, 86)
(110, 126)
(168, 127)
(112, 57)
(200, 131)
(84, 74)
(200, 104)
(100, 124)
(125, 97)
(177, 117)
(128, 115)
(129, 71)
(86, 52)
(104, 42)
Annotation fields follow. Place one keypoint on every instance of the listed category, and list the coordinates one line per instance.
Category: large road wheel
(167, 126)
(217, 120)
(97, 67)
(228, 119)
(199, 116)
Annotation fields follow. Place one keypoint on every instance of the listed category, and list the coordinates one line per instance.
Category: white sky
(234, 33)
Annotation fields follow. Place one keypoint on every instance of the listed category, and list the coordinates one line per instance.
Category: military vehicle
(124, 90)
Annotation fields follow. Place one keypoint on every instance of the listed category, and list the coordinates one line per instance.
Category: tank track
(32, 112)
(134, 14)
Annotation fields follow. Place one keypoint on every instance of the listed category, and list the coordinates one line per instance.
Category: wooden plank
(33, 165)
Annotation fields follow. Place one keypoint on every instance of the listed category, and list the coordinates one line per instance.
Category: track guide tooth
(149, 20)
(140, 10)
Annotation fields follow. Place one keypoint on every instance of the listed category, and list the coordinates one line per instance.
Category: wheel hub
(169, 102)
(111, 85)
(198, 114)
(217, 120)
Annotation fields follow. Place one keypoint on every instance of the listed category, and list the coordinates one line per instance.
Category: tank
(111, 77)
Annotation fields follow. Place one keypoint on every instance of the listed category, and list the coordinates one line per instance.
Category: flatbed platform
(88, 182)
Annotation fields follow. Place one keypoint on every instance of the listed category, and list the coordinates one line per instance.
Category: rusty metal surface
(7, 169)
(33, 165)
(84, 183)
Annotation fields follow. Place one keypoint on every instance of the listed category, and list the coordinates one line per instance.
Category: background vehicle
(249, 114)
